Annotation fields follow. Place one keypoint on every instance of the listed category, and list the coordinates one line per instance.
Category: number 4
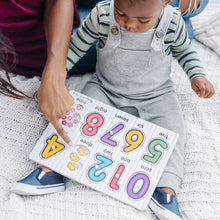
(52, 147)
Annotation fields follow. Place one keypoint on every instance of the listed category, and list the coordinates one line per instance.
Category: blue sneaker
(164, 206)
(39, 183)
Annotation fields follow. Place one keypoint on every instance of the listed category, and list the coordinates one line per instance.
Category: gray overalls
(133, 74)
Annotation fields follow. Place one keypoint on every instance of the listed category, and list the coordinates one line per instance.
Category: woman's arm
(54, 99)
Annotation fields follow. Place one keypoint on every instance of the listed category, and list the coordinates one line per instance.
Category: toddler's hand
(202, 87)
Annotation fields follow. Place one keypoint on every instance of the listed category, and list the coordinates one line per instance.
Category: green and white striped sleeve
(82, 39)
(95, 26)
(182, 48)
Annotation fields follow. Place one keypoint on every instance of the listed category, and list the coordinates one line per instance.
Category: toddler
(136, 41)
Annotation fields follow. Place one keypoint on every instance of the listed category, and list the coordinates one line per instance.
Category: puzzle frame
(114, 152)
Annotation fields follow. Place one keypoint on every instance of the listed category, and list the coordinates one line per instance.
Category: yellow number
(52, 147)
(134, 138)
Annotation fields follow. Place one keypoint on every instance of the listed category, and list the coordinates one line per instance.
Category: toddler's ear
(166, 2)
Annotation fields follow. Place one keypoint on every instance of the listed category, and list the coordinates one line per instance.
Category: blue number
(104, 163)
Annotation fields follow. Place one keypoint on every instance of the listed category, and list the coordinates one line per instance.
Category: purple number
(143, 189)
(106, 138)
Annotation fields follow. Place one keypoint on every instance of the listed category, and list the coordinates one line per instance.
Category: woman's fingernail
(70, 143)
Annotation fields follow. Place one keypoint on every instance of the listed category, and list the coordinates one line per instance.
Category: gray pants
(162, 110)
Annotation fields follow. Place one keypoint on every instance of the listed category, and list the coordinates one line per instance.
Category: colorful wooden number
(134, 138)
(156, 154)
(104, 163)
(116, 177)
(143, 189)
(52, 147)
(93, 122)
(106, 138)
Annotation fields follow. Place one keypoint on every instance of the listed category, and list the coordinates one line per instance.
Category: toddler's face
(138, 15)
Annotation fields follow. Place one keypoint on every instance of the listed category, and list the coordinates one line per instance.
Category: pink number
(94, 121)
(116, 177)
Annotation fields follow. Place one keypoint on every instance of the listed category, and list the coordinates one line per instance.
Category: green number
(156, 154)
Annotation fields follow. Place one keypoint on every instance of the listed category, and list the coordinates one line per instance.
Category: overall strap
(160, 32)
(114, 37)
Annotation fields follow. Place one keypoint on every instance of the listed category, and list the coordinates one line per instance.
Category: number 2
(104, 163)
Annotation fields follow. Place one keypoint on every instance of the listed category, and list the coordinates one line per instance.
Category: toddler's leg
(39, 183)
(95, 91)
(165, 111)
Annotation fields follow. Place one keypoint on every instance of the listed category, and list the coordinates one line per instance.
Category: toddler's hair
(6, 87)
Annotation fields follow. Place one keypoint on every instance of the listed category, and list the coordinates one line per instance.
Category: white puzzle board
(114, 152)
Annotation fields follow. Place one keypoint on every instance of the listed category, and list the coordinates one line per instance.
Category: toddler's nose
(129, 24)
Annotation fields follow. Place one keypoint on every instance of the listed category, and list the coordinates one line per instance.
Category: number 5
(156, 153)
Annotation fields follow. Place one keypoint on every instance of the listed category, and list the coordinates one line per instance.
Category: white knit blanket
(207, 31)
(199, 197)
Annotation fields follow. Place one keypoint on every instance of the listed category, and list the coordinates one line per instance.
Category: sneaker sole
(161, 212)
(24, 189)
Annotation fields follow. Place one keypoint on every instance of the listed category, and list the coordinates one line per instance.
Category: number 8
(94, 121)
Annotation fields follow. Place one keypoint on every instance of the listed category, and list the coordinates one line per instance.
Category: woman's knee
(191, 8)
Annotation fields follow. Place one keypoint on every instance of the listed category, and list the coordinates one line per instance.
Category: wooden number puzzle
(114, 152)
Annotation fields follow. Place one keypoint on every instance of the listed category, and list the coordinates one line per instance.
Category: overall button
(114, 30)
(159, 34)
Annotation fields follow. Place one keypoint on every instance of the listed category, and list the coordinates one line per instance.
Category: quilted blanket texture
(199, 198)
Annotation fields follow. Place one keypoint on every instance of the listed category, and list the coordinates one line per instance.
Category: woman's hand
(54, 101)
(202, 87)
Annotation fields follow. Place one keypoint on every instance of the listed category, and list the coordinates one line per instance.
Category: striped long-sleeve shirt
(96, 27)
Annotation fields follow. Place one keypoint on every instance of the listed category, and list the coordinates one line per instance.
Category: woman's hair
(6, 87)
